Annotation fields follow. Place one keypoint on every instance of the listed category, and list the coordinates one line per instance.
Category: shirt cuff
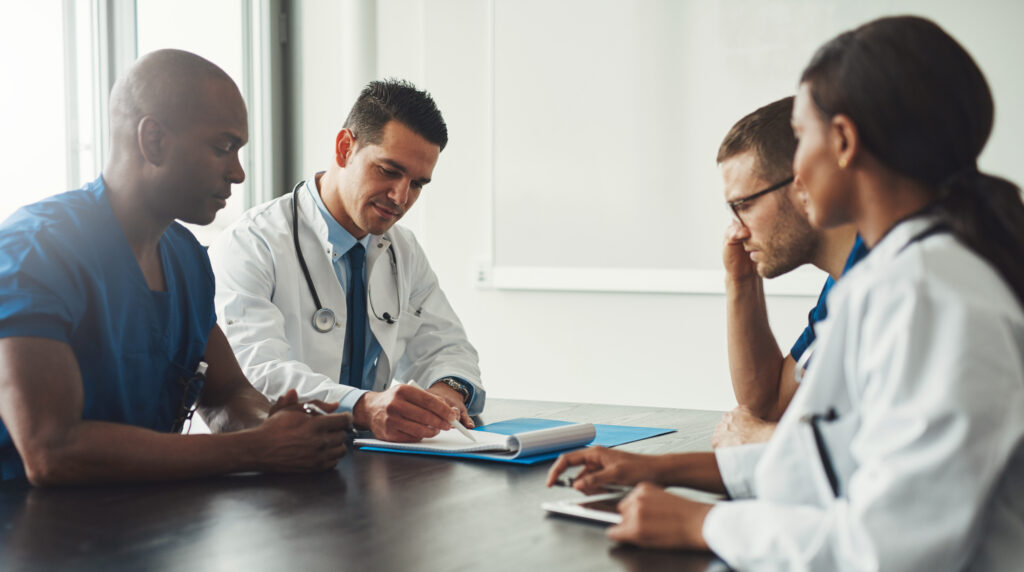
(737, 465)
(720, 531)
(348, 401)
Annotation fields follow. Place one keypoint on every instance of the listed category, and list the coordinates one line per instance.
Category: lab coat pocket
(826, 438)
(838, 436)
(409, 324)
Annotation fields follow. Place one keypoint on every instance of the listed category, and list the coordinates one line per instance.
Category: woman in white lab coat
(904, 447)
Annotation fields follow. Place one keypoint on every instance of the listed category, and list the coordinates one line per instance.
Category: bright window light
(32, 108)
(212, 30)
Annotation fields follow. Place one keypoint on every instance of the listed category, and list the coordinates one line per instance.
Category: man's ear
(152, 140)
(344, 147)
(844, 140)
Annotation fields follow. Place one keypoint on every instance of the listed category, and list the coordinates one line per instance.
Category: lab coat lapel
(318, 257)
(381, 284)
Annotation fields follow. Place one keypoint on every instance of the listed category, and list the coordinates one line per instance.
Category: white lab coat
(921, 357)
(265, 308)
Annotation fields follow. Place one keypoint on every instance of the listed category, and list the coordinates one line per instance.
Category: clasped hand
(297, 442)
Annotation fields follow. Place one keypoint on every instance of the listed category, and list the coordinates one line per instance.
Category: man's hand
(290, 400)
(603, 466)
(404, 414)
(739, 427)
(454, 399)
(736, 260)
(293, 441)
(654, 518)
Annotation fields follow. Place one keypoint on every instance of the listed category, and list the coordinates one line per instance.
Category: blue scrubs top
(67, 273)
(820, 311)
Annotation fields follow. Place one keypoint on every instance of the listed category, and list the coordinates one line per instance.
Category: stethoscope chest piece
(324, 320)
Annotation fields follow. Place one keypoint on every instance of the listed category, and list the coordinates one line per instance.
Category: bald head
(172, 86)
(177, 125)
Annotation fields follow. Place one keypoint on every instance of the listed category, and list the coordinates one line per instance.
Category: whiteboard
(607, 116)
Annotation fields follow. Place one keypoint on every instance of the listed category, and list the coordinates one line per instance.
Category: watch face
(457, 386)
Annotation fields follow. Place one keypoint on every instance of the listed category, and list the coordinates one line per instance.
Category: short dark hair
(766, 132)
(399, 100)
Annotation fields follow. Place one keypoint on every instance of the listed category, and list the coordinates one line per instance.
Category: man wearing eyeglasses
(108, 336)
(769, 236)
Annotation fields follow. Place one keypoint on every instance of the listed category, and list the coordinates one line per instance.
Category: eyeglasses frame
(733, 204)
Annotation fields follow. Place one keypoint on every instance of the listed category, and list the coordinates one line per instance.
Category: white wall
(628, 348)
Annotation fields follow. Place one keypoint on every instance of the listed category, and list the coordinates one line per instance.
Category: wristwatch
(457, 386)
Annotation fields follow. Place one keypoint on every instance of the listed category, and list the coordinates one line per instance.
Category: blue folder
(607, 436)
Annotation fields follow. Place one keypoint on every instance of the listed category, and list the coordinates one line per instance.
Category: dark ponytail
(987, 215)
(923, 108)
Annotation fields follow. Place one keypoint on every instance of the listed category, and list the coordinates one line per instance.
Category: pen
(455, 423)
(568, 481)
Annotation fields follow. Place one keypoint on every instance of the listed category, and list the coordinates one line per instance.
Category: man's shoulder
(183, 243)
(404, 238)
(272, 218)
(71, 217)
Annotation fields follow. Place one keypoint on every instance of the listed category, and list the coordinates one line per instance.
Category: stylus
(455, 423)
(568, 481)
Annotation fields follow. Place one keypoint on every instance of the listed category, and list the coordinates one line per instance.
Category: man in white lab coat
(320, 292)
(769, 236)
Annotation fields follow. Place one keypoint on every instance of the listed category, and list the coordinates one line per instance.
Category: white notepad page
(519, 445)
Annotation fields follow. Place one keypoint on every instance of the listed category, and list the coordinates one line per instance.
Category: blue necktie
(355, 326)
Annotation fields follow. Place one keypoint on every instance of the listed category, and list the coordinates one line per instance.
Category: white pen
(455, 424)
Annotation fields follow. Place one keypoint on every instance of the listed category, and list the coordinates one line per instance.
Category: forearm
(95, 451)
(755, 361)
(228, 401)
(693, 470)
(245, 409)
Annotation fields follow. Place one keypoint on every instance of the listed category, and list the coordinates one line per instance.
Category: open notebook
(496, 445)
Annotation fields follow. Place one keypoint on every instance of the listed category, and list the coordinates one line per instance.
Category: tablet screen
(606, 505)
(602, 508)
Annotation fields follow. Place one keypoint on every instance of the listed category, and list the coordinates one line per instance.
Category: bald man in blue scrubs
(108, 336)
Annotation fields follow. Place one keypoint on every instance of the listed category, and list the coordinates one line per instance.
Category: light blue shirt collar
(341, 239)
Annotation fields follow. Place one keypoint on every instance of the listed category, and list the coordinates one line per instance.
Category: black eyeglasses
(191, 387)
(735, 205)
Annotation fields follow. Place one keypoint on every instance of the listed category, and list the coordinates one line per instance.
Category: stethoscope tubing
(324, 319)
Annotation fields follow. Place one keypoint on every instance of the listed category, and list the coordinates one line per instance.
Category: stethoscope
(830, 415)
(324, 319)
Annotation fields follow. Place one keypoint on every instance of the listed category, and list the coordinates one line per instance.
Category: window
(217, 36)
(63, 58)
(50, 130)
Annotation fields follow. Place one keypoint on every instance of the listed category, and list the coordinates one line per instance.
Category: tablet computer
(601, 508)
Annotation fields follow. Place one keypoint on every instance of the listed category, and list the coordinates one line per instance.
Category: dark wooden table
(377, 511)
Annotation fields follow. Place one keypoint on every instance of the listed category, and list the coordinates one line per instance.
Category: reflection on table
(377, 511)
